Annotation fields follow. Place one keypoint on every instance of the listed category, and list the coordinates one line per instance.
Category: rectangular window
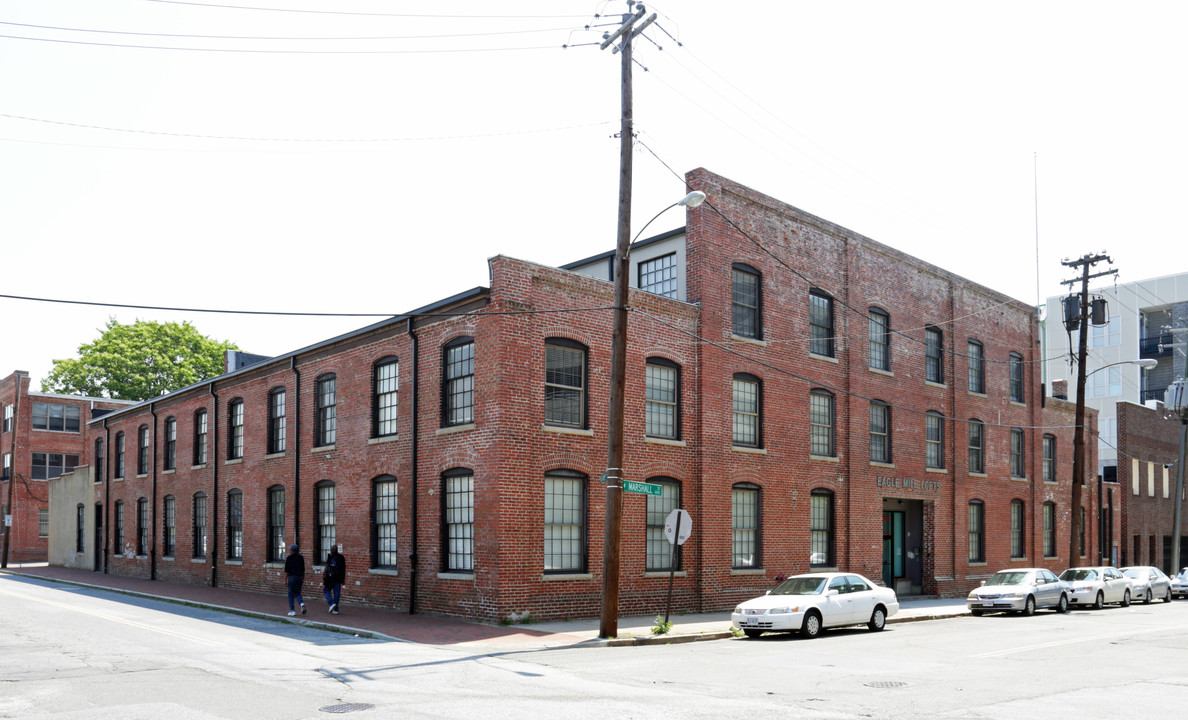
(659, 276)
(277, 421)
(662, 393)
(820, 324)
(746, 412)
(458, 378)
(42, 522)
(80, 529)
(744, 527)
(1081, 537)
(564, 524)
(1049, 458)
(169, 527)
(384, 504)
(170, 443)
(1017, 529)
(47, 466)
(199, 525)
(7, 418)
(977, 368)
(977, 436)
(934, 440)
(6, 466)
(327, 412)
(325, 517)
(1016, 372)
(1106, 335)
(934, 369)
(50, 416)
(235, 430)
(276, 524)
(235, 525)
(659, 550)
(1018, 456)
(119, 468)
(200, 437)
(458, 507)
(142, 450)
(821, 529)
(880, 433)
(977, 521)
(99, 460)
(821, 423)
(142, 527)
(880, 340)
(565, 385)
(744, 302)
(1107, 383)
(119, 527)
(1049, 529)
(386, 398)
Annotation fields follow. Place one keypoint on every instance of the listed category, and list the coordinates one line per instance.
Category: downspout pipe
(153, 512)
(106, 495)
(16, 419)
(416, 386)
(213, 551)
(296, 451)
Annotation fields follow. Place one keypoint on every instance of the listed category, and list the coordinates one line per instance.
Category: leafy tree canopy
(138, 361)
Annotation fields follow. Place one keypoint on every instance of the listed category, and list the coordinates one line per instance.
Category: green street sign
(642, 488)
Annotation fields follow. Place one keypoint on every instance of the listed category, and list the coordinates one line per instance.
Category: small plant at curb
(516, 618)
(736, 632)
(661, 627)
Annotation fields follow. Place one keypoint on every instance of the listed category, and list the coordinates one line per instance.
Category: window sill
(166, 558)
(974, 393)
(277, 565)
(233, 562)
(879, 464)
(455, 576)
(1017, 403)
(554, 577)
(141, 475)
(1019, 478)
(651, 574)
(199, 466)
(274, 456)
(324, 448)
(382, 440)
(456, 429)
(1019, 559)
(738, 572)
(386, 572)
(977, 563)
(942, 386)
(63, 432)
(168, 472)
(198, 561)
(117, 479)
(1051, 482)
(880, 371)
(752, 341)
(233, 461)
(664, 441)
(748, 450)
(978, 474)
(825, 568)
(825, 458)
(561, 430)
(942, 471)
(826, 358)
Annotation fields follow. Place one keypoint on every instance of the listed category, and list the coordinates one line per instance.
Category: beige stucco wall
(65, 495)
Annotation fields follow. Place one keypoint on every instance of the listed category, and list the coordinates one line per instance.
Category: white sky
(381, 181)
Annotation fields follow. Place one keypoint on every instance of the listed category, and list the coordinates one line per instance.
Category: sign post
(678, 526)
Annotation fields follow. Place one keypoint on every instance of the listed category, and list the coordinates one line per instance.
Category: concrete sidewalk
(434, 629)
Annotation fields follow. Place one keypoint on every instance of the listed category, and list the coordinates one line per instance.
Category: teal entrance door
(893, 542)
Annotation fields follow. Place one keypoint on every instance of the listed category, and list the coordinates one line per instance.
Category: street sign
(642, 488)
(678, 526)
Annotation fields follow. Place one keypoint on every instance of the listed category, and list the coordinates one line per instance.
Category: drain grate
(887, 684)
(346, 707)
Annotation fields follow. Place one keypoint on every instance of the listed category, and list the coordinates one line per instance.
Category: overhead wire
(226, 6)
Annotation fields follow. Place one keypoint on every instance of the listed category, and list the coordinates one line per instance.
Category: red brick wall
(1152, 437)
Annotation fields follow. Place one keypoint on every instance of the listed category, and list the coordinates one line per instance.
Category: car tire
(811, 627)
(1167, 598)
(878, 619)
(1029, 606)
(976, 613)
(752, 633)
(1099, 601)
(1126, 599)
(1062, 606)
(1147, 597)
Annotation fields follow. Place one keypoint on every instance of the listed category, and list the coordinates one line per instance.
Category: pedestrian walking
(295, 570)
(333, 577)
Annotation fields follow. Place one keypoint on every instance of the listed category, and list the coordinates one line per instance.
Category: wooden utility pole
(609, 626)
(1082, 320)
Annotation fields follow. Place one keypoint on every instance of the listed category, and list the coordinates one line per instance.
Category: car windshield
(1007, 578)
(1183, 576)
(800, 586)
(1135, 573)
(1075, 574)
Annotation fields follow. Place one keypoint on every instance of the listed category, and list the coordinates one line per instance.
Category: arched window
(821, 540)
(170, 459)
(325, 523)
(821, 435)
(383, 522)
(748, 411)
(457, 520)
(457, 382)
(326, 412)
(565, 522)
(746, 301)
(275, 551)
(385, 396)
(662, 399)
(977, 446)
(119, 454)
(277, 421)
(745, 528)
(880, 339)
(200, 437)
(235, 429)
(658, 549)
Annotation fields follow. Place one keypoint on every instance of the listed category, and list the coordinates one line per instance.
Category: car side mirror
(830, 592)
(982, 583)
(767, 593)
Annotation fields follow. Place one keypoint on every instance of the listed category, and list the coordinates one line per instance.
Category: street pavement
(436, 629)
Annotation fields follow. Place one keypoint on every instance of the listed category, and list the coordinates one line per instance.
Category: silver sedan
(1020, 591)
(1097, 586)
(1148, 583)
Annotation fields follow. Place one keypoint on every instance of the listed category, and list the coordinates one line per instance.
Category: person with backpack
(333, 577)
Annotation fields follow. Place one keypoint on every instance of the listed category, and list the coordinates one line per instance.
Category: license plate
(987, 604)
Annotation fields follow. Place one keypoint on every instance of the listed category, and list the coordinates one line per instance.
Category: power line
(278, 38)
(293, 52)
(367, 14)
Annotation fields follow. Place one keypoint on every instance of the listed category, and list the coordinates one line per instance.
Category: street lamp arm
(693, 199)
(1143, 364)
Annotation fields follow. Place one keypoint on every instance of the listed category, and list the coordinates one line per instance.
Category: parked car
(1148, 583)
(1180, 583)
(810, 603)
(1022, 591)
(1097, 586)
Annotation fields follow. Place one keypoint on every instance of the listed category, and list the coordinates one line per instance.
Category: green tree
(138, 361)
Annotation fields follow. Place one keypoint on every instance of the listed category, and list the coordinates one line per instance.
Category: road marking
(1070, 641)
(113, 618)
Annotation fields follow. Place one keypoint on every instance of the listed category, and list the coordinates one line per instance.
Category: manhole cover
(346, 707)
(887, 684)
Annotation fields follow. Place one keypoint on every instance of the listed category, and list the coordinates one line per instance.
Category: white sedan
(1180, 584)
(1097, 586)
(1148, 583)
(810, 603)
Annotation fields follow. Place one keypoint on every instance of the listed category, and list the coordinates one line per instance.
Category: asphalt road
(75, 653)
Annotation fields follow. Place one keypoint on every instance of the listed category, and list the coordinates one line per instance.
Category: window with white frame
(1018, 526)
(385, 397)
(278, 424)
(880, 432)
(934, 440)
(1106, 335)
(457, 505)
(235, 430)
(457, 393)
(1049, 470)
(744, 526)
(662, 392)
(1016, 375)
(659, 276)
(326, 417)
(565, 383)
(1107, 383)
(821, 324)
(821, 423)
(42, 522)
(977, 447)
(977, 367)
(934, 353)
(384, 517)
(659, 550)
(821, 541)
(747, 411)
(564, 522)
(880, 339)
(745, 299)
(1018, 454)
(7, 419)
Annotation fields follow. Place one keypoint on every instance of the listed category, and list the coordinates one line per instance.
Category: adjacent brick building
(1148, 445)
(813, 398)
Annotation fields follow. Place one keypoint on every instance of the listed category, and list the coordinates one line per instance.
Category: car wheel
(1126, 599)
(1147, 597)
(976, 613)
(1167, 597)
(1029, 606)
(878, 619)
(752, 633)
(1099, 602)
(1062, 606)
(812, 625)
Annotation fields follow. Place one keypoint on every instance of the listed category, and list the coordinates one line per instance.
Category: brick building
(1148, 445)
(42, 437)
(814, 399)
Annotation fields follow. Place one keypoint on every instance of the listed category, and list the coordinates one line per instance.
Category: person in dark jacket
(333, 578)
(295, 570)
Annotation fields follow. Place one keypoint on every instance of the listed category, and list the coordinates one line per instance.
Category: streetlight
(609, 625)
(1143, 364)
